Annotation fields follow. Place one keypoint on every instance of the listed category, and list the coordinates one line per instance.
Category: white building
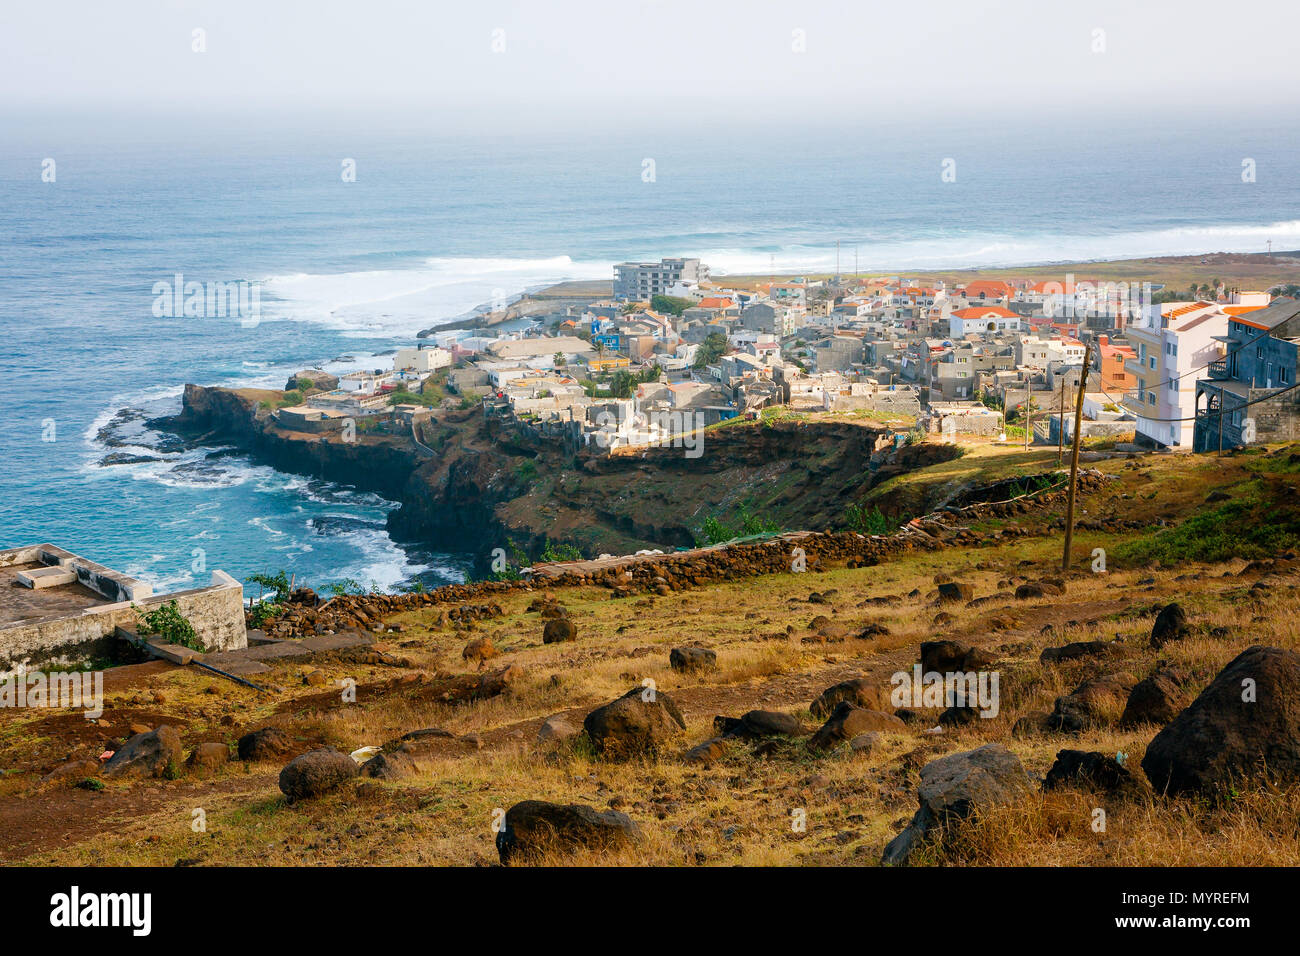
(986, 318)
(1185, 338)
(422, 360)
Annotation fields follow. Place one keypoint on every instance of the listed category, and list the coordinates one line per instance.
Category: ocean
(438, 225)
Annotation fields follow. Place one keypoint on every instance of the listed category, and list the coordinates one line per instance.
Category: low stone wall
(216, 612)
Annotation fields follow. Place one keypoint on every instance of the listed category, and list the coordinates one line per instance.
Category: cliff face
(380, 464)
(496, 485)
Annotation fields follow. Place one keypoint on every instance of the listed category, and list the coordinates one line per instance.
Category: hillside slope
(987, 583)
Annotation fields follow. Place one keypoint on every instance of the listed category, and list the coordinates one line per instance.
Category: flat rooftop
(19, 603)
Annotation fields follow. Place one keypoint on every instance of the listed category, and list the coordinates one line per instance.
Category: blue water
(435, 226)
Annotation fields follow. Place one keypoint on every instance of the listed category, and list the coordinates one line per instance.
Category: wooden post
(1074, 459)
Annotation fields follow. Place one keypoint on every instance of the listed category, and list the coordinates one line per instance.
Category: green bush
(866, 520)
(168, 624)
(560, 552)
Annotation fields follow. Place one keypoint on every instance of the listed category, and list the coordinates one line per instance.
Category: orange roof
(988, 287)
(715, 302)
(980, 312)
(1052, 287)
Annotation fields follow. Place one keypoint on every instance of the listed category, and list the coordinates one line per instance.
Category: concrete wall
(216, 612)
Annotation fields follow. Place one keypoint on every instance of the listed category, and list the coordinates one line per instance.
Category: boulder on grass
(209, 756)
(397, 765)
(861, 692)
(948, 657)
(768, 723)
(1156, 699)
(557, 729)
(1094, 703)
(534, 828)
(315, 773)
(74, 771)
(1171, 625)
(269, 743)
(479, 651)
(953, 591)
(1245, 725)
(1092, 770)
(692, 659)
(151, 754)
(1077, 650)
(707, 753)
(559, 629)
(957, 786)
(847, 721)
(642, 721)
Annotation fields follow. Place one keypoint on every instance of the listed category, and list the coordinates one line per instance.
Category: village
(673, 351)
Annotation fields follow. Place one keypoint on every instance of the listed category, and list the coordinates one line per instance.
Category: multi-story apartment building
(638, 281)
(1185, 337)
(1246, 396)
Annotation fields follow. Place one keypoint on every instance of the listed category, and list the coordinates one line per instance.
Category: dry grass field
(745, 808)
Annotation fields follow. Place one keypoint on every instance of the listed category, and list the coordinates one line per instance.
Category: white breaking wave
(401, 302)
(997, 250)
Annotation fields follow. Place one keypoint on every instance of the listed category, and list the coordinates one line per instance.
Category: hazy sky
(593, 63)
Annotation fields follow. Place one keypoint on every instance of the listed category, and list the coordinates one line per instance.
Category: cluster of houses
(674, 350)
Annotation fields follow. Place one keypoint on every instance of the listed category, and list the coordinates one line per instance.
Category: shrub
(866, 520)
(167, 623)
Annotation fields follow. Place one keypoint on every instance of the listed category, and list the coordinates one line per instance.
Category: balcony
(1219, 370)
(1133, 402)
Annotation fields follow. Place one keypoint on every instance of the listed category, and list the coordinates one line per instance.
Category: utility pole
(1074, 459)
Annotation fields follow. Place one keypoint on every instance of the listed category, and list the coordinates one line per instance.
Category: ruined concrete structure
(58, 609)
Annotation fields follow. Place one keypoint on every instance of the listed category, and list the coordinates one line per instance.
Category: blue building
(1244, 400)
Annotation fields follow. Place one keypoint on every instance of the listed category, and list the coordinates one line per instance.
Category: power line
(1201, 368)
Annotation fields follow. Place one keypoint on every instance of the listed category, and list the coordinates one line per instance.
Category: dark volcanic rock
(847, 721)
(1077, 650)
(209, 756)
(1093, 703)
(1170, 625)
(269, 743)
(1244, 725)
(1156, 700)
(955, 787)
(149, 754)
(315, 773)
(953, 591)
(692, 659)
(534, 827)
(862, 692)
(1099, 771)
(946, 657)
(559, 629)
(642, 721)
(712, 750)
(396, 765)
(769, 723)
